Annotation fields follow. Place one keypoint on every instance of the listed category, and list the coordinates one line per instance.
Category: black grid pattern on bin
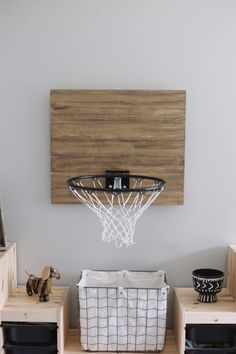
(122, 319)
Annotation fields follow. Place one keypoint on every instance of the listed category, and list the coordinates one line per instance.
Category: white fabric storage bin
(122, 310)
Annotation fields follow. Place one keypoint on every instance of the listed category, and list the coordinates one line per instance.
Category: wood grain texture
(231, 271)
(20, 307)
(97, 130)
(8, 273)
(188, 310)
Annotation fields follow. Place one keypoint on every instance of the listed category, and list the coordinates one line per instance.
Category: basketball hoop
(118, 199)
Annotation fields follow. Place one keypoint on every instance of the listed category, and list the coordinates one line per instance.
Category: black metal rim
(72, 184)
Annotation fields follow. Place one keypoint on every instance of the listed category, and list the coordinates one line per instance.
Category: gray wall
(107, 44)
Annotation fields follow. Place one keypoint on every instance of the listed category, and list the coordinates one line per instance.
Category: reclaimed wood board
(142, 132)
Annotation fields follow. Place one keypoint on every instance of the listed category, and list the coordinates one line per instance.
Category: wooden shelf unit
(23, 308)
(8, 274)
(188, 310)
(17, 306)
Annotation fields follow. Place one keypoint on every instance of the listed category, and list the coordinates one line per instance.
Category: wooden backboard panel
(97, 130)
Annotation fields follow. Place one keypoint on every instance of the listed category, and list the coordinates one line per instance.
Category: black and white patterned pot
(207, 282)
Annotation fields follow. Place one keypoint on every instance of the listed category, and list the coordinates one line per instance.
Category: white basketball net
(118, 212)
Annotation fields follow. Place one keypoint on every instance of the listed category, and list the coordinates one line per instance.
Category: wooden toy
(42, 286)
